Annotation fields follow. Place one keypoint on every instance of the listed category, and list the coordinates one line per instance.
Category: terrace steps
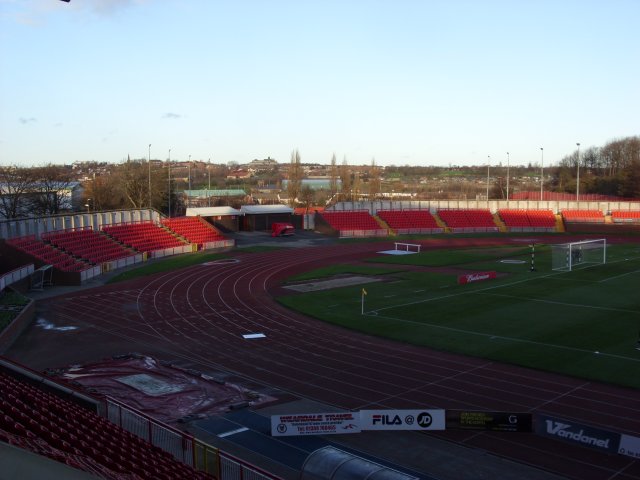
(559, 223)
(500, 224)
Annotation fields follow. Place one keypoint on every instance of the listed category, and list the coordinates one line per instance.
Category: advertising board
(315, 424)
(424, 419)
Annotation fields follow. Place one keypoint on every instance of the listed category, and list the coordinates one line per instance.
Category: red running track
(200, 313)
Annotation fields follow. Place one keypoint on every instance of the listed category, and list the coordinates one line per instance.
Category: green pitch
(584, 323)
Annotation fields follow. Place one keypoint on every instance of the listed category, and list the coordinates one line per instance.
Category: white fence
(15, 276)
(218, 244)
(381, 232)
(89, 273)
(166, 252)
(418, 231)
(122, 262)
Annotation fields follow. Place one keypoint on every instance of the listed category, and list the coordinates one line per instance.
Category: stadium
(150, 347)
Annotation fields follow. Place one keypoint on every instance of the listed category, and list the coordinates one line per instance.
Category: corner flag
(364, 292)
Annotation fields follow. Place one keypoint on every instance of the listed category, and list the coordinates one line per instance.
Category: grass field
(583, 323)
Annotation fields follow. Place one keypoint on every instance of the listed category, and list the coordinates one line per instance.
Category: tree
(307, 196)
(374, 180)
(294, 185)
(345, 180)
(133, 181)
(16, 185)
(333, 176)
(52, 190)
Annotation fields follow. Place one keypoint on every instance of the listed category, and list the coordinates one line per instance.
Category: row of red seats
(87, 244)
(351, 220)
(625, 215)
(467, 218)
(398, 219)
(31, 414)
(193, 229)
(583, 216)
(528, 218)
(143, 236)
(48, 254)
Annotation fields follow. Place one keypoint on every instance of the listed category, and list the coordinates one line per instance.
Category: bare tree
(16, 185)
(345, 180)
(52, 189)
(374, 180)
(333, 176)
(307, 196)
(294, 185)
(133, 182)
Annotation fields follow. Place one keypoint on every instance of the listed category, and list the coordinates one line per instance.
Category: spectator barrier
(15, 276)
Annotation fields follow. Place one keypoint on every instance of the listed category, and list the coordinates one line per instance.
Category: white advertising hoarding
(425, 419)
(315, 424)
(629, 446)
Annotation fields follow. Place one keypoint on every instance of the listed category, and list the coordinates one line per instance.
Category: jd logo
(424, 420)
(386, 420)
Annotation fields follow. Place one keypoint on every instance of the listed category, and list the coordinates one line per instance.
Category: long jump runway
(201, 313)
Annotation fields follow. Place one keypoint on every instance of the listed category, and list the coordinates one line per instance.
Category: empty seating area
(46, 424)
(144, 237)
(352, 221)
(193, 229)
(410, 221)
(625, 216)
(527, 219)
(89, 245)
(468, 219)
(584, 216)
(48, 254)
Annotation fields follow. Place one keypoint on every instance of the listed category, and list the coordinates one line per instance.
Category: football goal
(568, 256)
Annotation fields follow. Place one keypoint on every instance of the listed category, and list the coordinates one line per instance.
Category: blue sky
(407, 82)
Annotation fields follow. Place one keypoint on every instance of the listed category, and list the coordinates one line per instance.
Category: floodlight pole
(541, 171)
(578, 176)
(507, 179)
(488, 164)
(169, 165)
(149, 175)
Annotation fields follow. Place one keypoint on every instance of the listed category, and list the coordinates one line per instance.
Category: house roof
(212, 211)
(265, 209)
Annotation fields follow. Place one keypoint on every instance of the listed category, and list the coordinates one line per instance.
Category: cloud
(24, 120)
(172, 115)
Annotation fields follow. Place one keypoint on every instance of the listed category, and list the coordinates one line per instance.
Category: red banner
(475, 277)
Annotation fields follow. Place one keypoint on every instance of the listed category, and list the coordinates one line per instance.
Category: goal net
(569, 256)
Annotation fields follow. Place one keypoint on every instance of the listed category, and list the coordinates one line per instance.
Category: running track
(200, 314)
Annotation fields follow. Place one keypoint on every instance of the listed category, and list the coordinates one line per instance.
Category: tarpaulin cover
(160, 390)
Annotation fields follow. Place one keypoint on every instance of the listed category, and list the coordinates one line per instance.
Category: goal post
(407, 247)
(569, 256)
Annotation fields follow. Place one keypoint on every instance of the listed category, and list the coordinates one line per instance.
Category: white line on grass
(492, 336)
(553, 302)
(618, 276)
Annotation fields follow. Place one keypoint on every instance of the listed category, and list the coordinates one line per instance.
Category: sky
(398, 82)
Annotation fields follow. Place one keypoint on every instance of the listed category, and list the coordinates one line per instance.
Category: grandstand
(91, 246)
(46, 424)
(144, 236)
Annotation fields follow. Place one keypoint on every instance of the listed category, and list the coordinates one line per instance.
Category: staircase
(559, 223)
(498, 221)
